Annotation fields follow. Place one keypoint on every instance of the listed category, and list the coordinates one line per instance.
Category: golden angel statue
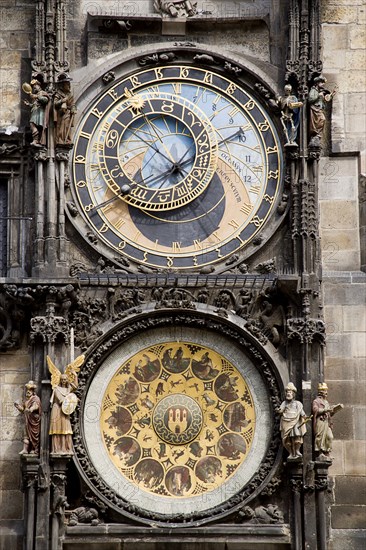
(63, 403)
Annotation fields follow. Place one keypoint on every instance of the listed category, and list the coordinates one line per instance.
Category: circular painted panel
(193, 419)
(177, 414)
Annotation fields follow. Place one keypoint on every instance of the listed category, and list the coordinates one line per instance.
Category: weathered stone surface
(358, 344)
(10, 475)
(344, 424)
(337, 467)
(348, 517)
(350, 490)
(339, 346)
(343, 240)
(354, 318)
(10, 450)
(360, 423)
(11, 429)
(338, 214)
(335, 37)
(338, 177)
(347, 294)
(347, 538)
(12, 505)
(355, 457)
(339, 14)
(344, 368)
(347, 393)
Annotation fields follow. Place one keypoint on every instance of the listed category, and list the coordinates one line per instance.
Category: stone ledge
(265, 534)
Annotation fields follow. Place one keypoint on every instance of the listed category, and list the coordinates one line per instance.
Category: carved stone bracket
(306, 330)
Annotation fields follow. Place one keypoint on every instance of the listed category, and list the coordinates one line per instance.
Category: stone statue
(293, 420)
(84, 514)
(318, 97)
(176, 8)
(39, 104)
(290, 114)
(64, 110)
(32, 410)
(63, 403)
(322, 423)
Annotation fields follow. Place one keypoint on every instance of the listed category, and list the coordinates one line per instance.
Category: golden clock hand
(126, 189)
(123, 191)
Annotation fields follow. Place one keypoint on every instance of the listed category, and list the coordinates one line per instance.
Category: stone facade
(257, 32)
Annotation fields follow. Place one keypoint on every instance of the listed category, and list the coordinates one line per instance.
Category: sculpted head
(64, 380)
(290, 391)
(323, 389)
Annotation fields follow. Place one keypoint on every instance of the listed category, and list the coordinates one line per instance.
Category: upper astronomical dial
(198, 156)
(160, 145)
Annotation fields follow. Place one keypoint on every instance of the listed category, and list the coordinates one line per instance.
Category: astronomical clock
(176, 421)
(175, 167)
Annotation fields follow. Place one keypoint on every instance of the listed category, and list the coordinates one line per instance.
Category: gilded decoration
(177, 419)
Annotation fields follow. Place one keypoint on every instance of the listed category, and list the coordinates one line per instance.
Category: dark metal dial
(199, 156)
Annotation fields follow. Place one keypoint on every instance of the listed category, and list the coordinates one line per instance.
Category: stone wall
(14, 374)
(344, 284)
(17, 20)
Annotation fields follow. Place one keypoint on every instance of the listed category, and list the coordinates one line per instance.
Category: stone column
(30, 465)
(58, 499)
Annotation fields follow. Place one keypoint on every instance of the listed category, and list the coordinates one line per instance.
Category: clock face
(175, 413)
(176, 167)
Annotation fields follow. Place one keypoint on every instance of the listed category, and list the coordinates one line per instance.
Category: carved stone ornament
(108, 77)
(123, 504)
(306, 330)
(176, 8)
(48, 328)
(83, 514)
(267, 515)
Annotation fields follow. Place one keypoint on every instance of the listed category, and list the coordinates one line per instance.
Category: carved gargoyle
(176, 8)
(265, 515)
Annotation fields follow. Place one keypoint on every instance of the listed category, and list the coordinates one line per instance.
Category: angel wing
(73, 368)
(55, 373)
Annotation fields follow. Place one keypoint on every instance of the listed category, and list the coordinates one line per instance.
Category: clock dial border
(236, 238)
(160, 327)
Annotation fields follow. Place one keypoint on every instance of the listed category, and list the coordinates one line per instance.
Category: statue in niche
(322, 422)
(63, 403)
(290, 114)
(318, 98)
(293, 423)
(39, 102)
(32, 410)
(64, 110)
(176, 8)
